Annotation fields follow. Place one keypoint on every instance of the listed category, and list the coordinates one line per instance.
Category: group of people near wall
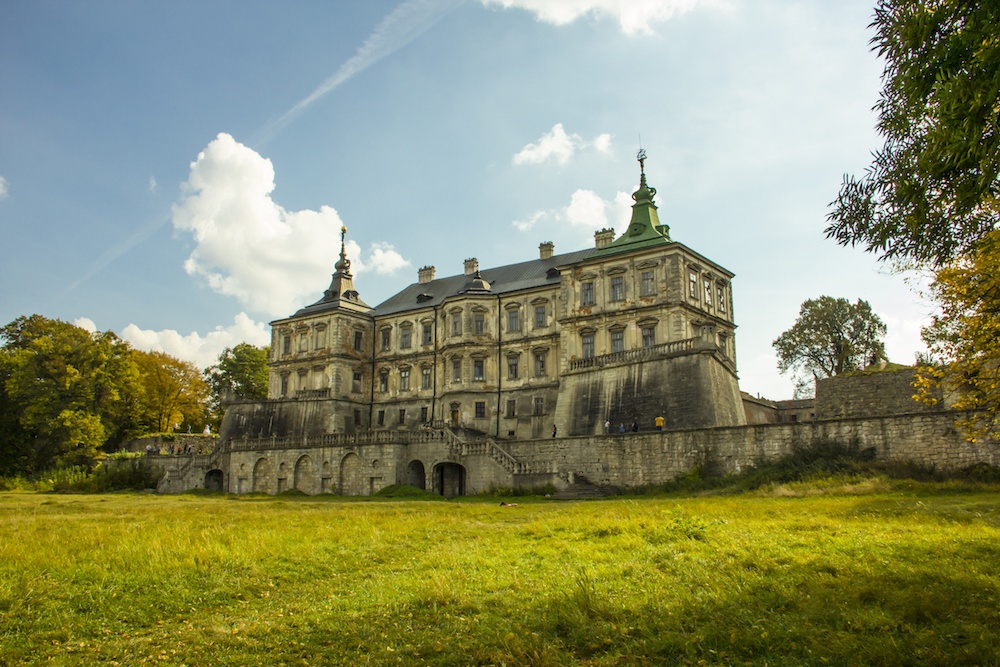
(634, 428)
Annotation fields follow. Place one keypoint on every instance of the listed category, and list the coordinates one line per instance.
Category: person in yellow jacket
(659, 423)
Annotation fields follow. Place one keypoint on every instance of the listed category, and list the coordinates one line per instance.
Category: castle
(511, 376)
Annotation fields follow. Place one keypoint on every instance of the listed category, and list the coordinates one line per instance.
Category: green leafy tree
(831, 336)
(965, 335)
(930, 193)
(241, 370)
(64, 393)
(173, 392)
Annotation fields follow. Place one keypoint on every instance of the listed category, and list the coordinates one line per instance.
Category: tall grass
(896, 577)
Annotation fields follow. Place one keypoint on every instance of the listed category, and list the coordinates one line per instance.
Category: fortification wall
(869, 393)
(928, 439)
(689, 391)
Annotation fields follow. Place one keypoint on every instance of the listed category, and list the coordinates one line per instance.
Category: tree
(965, 335)
(830, 336)
(241, 370)
(64, 392)
(931, 193)
(173, 392)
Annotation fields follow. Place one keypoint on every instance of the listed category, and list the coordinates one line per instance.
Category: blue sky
(179, 172)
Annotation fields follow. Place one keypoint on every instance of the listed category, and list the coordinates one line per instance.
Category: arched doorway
(455, 414)
(304, 476)
(449, 480)
(415, 475)
(213, 480)
(263, 477)
(351, 481)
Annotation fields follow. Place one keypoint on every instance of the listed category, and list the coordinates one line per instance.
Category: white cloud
(602, 144)
(201, 350)
(527, 224)
(634, 16)
(86, 323)
(384, 259)
(249, 247)
(559, 146)
(152, 184)
(3, 187)
(586, 212)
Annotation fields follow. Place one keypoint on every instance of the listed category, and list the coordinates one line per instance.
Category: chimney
(603, 238)
(545, 249)
(425, 275)
(471, 266)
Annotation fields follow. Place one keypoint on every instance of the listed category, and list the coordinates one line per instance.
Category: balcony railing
(638, 354)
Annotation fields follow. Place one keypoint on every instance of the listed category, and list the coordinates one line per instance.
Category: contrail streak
(400, 27)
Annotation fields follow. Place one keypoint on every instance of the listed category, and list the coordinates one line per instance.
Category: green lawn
(878, 577)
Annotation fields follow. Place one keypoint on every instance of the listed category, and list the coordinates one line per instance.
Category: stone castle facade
(634, 328)
(506, 376)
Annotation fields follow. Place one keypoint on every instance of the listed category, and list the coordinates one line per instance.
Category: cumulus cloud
(86, 323)
(634, 16)
(249, 247)
(587, 211)
(3, 187)
(559, 146)
(202, 350)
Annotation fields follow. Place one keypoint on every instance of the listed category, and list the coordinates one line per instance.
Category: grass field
(865, 575)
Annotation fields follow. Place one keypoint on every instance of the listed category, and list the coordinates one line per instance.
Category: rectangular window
(480, 409)
(588, 346)
(356, 382)
(319, 339)
(357, 417)
(428, 334)
(511, 408)
(359, 340)
(647, 284)
(617, 341)
(693, 285)
(539, 405)
(381, 417)
(456, 325)
(286, 345)
(456, 370)
(648, 336)
(425, 378)
(540, 319)
(708, 293)
(404, 337)
(423, 415)
(303, 342)
(402, 415)
(479, 323)
(512, 368)
(587, 294)
(383, 382)
(721, 293)
(385, 339)
(513, 320)
(477, 369)
(617, 288)
(540, 364)
(284, 386)
(404, 379)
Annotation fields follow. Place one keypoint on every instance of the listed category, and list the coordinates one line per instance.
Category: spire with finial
(342, 285)
(644, 228)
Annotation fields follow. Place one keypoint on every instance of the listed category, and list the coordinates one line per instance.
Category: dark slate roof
(502, 280)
